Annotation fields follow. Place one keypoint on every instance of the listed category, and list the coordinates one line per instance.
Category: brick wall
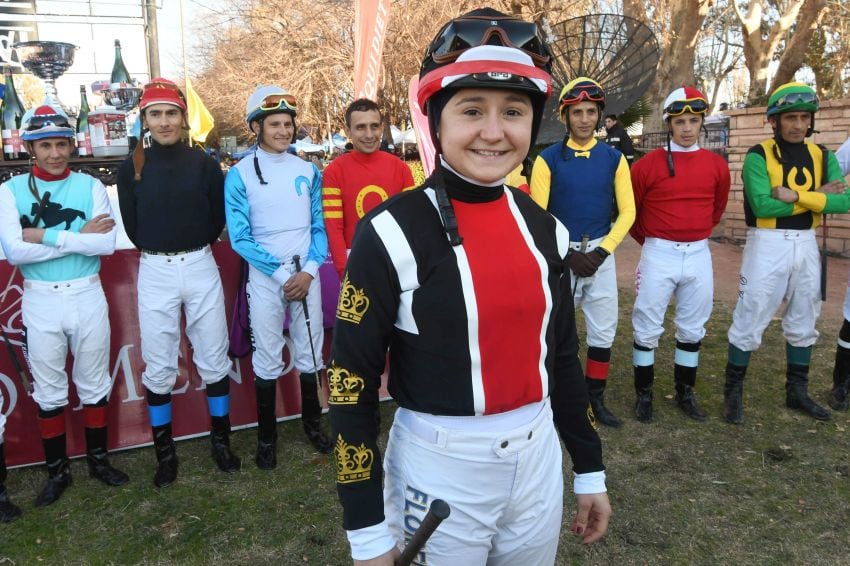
(749, 127)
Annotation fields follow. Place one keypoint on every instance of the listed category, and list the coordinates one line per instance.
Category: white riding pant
(167, 284)
(505, 487)
(59, 314)
(670, 269)
(598, 298)
(777, 265)
(267, 308)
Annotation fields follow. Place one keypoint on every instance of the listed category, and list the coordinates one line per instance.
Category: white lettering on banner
(235, 371)
(370, 87)
(287, 345)
(11, 393)
(122, 362)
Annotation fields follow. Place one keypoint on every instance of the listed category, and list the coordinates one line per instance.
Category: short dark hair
(361, 105)
(612, 116)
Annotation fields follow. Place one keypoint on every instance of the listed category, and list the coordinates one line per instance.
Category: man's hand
(386, 559)
(296, 287)
(33, 235)
(833, 188)
(591, 520)
(785, 194)
(100, 224)
(584, 265)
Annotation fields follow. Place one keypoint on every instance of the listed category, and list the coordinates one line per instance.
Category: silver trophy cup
(47, 60)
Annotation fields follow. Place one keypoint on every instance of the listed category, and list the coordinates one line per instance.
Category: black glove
(581, 264)
(587, 265)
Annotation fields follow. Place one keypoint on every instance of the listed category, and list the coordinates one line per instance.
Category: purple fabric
(240, 327)
(330, 294)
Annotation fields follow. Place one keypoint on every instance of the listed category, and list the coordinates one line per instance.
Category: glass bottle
(119, 71)
(10, 120)
(83, 135)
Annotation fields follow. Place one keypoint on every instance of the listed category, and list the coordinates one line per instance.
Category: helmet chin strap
(256, 159)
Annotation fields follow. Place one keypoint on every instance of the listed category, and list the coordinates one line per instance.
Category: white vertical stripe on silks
(404, 262)
(544, 284)
(468, 290)
(562, 235)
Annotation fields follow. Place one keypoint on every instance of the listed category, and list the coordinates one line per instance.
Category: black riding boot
(166, 456)
(685, 397)
(596, 392)
(644, 376)
(8, 510)
(58, 471)
(266, 391)
(98, 459)
(797, 395)
(733, 394)
(226, 460)
(311, 414)
(838, 398)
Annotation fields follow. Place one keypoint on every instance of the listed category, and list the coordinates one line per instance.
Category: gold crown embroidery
(345, 387)
(353, 303)
(591, 416)
(353, 463)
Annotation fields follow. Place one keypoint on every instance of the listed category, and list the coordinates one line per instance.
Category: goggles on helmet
(694, 106)
(472, 31)
(589, 92)
(278, 102)
(793, 98)
(39, 122)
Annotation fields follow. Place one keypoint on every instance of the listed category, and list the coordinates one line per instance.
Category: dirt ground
(727, 261)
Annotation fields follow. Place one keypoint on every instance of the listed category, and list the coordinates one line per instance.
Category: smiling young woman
(477, 367)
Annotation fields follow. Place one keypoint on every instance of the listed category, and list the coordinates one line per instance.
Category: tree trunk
(676, 65)
(795, 52)
(758, 50)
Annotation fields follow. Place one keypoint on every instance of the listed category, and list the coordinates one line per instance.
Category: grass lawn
(775, 490)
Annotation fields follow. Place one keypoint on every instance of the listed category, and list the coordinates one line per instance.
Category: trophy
(123, 96)
(47, 60)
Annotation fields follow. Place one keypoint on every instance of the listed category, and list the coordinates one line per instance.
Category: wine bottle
(119, 71)
(10, 120)
(83, 135)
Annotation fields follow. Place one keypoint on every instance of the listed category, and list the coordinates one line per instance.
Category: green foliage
(639, 111)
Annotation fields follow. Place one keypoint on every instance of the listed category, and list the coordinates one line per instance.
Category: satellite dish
(619, 52)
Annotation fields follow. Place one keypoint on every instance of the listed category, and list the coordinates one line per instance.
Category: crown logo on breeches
(353, 302)
(353, 463)
(345, 387)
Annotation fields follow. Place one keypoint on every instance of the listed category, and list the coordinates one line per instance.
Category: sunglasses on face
(279, 102)
(796, 98)
(695, 106)
(460, 35)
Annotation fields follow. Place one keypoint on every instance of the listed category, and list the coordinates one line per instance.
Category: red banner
(371, 18)
(420, 126)
(128, 418)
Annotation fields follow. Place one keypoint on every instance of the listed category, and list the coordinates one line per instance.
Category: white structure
(91, 25)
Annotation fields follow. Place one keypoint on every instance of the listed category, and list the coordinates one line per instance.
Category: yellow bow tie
(585, 154)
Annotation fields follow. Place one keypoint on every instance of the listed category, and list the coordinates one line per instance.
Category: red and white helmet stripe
(490, 59)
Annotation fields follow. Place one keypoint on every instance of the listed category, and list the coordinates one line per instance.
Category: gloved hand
(585, 265)
(581, 264)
